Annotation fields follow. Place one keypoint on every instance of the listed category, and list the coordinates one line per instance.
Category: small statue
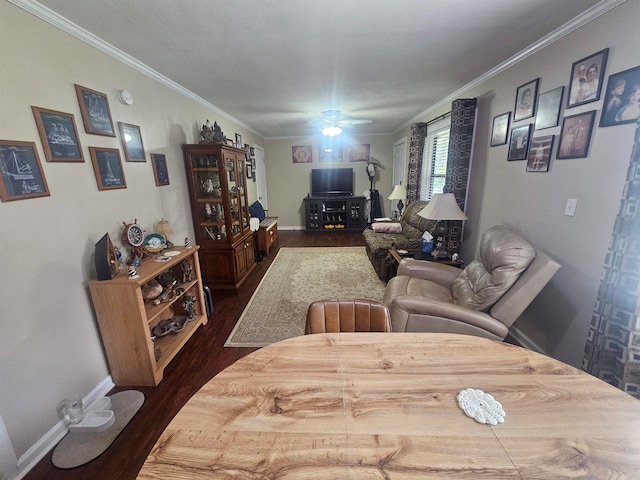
(212, 135)
(188, 304)
(133, 272)
(187, 271)
(187, 243)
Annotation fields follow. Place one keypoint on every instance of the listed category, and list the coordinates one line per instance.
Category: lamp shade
(399, 192)
(164, 228)
(442, 206)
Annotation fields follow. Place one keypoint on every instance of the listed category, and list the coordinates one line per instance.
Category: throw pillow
(386, 227)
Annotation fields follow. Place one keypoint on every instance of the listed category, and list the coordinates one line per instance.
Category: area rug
(298, 276)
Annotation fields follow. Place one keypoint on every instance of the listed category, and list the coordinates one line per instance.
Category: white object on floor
(94, 422)
(481, 406)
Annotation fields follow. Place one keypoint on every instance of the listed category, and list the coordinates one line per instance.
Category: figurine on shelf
(187, 243)
(187, 271)
(212, 135)
(133, 272)
(188, 304)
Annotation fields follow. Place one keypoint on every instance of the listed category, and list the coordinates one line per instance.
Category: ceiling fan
(333, 121)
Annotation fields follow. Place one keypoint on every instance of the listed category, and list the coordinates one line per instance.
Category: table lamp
(399, 193)
(442, 207)
(164, 229)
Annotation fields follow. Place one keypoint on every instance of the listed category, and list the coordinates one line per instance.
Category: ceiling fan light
(331, 131)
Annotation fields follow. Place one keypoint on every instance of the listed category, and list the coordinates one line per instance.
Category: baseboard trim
(525, 341)
(50, 439)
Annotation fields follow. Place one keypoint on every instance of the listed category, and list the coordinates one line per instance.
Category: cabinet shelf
(334, 214)
(154, 311)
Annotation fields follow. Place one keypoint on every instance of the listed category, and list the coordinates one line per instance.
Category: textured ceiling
(275, 65)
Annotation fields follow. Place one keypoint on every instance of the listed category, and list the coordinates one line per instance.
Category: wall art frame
(549, 105)
(302, 154)
(519, 142)
(587, 76)
(622, 98)
(540, 150)
(575, 136)
(107, 167)
(360, 153)
(132, 142)
(160, 170)
(238, 141)
(58, 135)
(526, 96)
(500, 129)
(21, 174)
(96, 115)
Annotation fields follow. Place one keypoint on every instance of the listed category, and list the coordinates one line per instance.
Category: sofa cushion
(386, 227)
(503, 256)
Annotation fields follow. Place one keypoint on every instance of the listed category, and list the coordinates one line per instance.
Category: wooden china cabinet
(220, 211)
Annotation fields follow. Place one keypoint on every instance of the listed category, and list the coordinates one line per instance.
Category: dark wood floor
(200, 359)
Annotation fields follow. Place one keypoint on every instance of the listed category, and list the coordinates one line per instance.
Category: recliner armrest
(436, 272)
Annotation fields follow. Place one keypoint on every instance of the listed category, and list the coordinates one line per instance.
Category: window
(434, 159)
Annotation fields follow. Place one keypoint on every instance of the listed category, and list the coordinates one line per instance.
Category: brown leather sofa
(347, 315)
(483, 300)
(377, 244)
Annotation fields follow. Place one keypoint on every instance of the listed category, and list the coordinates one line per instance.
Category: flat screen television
(329, 182)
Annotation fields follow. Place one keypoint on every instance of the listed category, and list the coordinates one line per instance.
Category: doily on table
(481, 406)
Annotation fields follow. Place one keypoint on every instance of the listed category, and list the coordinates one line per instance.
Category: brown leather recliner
(347, 315)
(483, 300)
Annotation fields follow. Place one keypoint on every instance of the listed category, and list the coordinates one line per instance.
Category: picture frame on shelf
(96, 115)
(360, 153)
(622, 98)
(238, 141)
(500, 129)
(107, 167)
(21, 174)
(132, 142)
(526, 96)
(519, 142)
(540, 153)
(575, 136)
(302, 154)
(160, 170)
(587, 76)
(58, 135)
(549, 105)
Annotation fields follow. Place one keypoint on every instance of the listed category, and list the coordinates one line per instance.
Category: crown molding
(80, 33)
(591, 14)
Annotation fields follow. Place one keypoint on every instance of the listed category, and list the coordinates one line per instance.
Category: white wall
(50, 346)
(288, 183)
(503, 192)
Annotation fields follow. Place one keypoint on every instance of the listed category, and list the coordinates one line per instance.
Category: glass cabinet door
(242, 194)
(234, 188)
(208, 195)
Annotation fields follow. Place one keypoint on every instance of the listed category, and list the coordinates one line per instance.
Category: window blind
(434, 160)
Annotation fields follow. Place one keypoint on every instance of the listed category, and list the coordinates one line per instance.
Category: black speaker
(207, 300)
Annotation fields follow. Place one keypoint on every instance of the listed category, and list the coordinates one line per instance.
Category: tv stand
(334, 213)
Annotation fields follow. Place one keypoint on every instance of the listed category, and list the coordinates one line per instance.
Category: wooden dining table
(383, 406)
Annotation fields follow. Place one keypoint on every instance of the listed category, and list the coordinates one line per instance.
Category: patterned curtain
(463, 119)
(416, 147)
(612, 351)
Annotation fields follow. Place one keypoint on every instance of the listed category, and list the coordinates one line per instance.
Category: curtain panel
(612, 350)
(463, 119)
(416, 149)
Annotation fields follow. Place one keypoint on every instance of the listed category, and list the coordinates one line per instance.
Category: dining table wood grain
(383, 406)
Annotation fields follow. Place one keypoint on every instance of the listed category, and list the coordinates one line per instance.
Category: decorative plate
(154, 243)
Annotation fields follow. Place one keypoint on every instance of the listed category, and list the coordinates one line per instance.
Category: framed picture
(526, 96)
(622, 98)
(160, 171)
(96, 115)
(549, 104)
(330, 149)
(360, 153)
(107, 167)
(575, 135)
(500, 129)
(131, 142)
(519, 142)
(238, 140)
(540, 154)
(58, 135)
(21, 174)
(302, 154)
(249, 171)
(586, 79)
